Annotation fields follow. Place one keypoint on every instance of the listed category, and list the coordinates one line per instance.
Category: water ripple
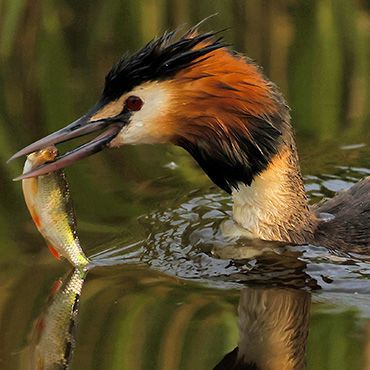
(186, 242)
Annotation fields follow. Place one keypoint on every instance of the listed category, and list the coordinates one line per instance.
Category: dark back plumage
(350, 228)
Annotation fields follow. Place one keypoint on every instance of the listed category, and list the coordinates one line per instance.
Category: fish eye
(133, 103)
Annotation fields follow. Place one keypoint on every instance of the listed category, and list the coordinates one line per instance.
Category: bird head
(192, 91)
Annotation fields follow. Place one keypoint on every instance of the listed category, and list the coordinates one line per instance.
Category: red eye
(133, 103)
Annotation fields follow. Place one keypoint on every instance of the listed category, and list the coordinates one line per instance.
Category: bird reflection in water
(273, 321)
(273, 330)
(52, 339)
(267, 263)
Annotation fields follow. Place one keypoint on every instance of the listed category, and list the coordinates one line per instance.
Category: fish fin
(36, 219)
(54, 252)
(56, 286)
(39, 327)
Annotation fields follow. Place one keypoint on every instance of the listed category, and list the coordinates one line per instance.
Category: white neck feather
(274, 206)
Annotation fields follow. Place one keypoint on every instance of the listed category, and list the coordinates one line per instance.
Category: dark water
(175, 297)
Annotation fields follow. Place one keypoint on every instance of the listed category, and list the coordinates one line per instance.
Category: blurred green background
(54, 55)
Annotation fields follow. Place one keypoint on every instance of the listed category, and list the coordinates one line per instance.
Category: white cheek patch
(144, 125)
(132, 134)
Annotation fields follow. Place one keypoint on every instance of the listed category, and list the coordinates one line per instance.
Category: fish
(49, 202)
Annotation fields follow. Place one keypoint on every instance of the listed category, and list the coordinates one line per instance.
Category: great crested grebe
(194, 92)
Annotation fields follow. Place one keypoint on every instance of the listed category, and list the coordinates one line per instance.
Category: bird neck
(274, 206)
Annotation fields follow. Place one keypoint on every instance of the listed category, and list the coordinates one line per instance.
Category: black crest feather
(161, 58)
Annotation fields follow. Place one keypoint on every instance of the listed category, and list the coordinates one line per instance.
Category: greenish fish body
(49, 202)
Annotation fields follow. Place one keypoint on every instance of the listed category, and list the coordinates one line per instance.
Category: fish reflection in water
(53, 336)
(273, 330)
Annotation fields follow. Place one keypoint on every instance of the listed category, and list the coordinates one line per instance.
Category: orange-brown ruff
(196, 93)
(236, 124)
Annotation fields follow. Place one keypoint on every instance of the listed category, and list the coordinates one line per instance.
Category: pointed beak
(110, 127)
